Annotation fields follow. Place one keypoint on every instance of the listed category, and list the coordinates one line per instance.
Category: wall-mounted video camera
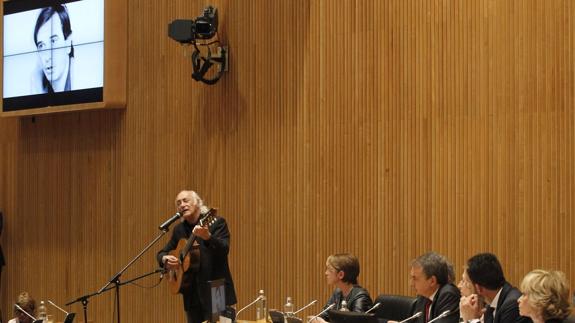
(203, 27)
(200, 32)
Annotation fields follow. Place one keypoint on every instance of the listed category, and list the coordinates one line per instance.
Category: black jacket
(358, 300)
(507, 310)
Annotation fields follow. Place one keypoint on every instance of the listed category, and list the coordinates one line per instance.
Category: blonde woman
(545, 296)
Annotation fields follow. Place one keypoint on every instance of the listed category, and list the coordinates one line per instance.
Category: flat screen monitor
(63, 55)
(53, 53)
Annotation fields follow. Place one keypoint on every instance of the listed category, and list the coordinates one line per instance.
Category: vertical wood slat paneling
(381, 128)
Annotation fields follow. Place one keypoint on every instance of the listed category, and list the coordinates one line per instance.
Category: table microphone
(58, 307)
(250, 304)
(414, 316)
(442, 315)
(23, 311)
(320, 313)
(374, 307)
(303, 308)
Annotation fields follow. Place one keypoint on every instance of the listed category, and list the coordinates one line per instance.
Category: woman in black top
(342, 271)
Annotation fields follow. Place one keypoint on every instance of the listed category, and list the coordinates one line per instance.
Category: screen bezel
(115, 64)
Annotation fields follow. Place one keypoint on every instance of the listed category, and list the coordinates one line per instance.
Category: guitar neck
(189, 244)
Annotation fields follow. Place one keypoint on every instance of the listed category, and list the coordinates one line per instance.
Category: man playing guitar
(205, 247)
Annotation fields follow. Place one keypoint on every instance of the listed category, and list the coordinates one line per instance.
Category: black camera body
(207, 24)
(203, 27)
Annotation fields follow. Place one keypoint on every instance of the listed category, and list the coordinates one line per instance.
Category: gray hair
(199, 202)
(434, 264)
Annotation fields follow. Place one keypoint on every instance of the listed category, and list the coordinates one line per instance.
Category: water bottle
(261, 308)
(344, 306)
(42, 312)
(288, 307)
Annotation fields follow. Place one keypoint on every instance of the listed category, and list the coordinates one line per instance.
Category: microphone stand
(84, 299)
(116, 281)
(320, 313)
(303, 308)
(416, 315)
(372, 308)
(442, 315)
(250, 304)
(23, 311)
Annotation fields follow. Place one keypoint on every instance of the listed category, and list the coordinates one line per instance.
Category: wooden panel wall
(382, 128)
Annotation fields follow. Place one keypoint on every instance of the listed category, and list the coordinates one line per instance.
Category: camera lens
(204, 29)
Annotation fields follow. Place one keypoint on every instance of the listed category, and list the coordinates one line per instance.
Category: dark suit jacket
(213, 264)
(446, 299)
(507, 310)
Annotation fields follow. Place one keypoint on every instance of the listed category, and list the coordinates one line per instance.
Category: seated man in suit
(485, 273)
(432, 278)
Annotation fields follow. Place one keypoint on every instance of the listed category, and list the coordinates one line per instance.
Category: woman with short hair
(545, 296)
(342, 271)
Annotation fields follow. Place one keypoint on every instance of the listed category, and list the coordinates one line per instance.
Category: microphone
(166, 225)
(442, 315)
(250, 304)
(303, 308)
(23, 311)
(320, 313)
(414, 316)
(58, 307)
(374, 307)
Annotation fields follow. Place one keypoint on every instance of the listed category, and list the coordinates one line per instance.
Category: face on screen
(53, 53)
(53, 50)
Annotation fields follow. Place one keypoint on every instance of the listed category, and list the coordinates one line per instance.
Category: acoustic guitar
(188, 254)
